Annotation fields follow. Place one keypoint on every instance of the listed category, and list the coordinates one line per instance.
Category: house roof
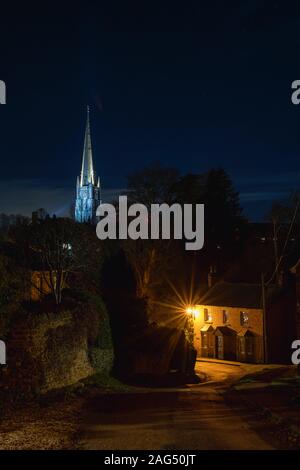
(227, 294)
(207, 327)
(245, 332)
(225, 331)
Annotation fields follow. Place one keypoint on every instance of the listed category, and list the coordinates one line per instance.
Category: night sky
(205, 86)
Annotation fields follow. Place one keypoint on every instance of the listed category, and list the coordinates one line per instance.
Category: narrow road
(192, 418)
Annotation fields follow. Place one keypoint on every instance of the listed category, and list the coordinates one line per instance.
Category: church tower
(88, 191)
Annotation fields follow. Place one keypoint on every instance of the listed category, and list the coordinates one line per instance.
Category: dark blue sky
(207, 86)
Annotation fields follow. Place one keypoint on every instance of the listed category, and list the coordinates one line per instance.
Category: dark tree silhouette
(58, 247)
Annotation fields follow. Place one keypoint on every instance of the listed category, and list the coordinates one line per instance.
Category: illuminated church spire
(87, 171)
(88, 191)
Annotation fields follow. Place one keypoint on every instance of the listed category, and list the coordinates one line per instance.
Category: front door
(220, 347)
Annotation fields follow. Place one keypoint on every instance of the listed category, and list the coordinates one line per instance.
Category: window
(207, 315)
(67, 247)
(244, 319)
(225, 316)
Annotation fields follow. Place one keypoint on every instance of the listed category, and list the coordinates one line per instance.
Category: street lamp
(192, 313)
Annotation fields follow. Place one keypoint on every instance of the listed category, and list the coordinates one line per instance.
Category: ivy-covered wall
(47, 351)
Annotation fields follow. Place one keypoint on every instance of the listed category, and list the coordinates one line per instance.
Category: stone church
(88, 190)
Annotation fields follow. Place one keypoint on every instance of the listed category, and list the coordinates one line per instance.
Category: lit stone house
(231, 323)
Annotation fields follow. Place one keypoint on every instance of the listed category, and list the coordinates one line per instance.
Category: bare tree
(151, 259)
(57, 247)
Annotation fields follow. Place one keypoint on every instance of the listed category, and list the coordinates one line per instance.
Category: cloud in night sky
(25, 196)
(258, 191)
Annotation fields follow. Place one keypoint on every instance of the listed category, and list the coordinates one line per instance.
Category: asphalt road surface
(191, 418)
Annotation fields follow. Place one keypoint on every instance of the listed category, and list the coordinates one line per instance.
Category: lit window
(225, 316)
(207, 315)
(67, 247)
(244, 318)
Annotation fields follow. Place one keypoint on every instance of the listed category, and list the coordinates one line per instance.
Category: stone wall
(46, 352)
(60, 345)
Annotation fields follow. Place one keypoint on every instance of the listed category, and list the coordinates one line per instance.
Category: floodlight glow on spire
(87, 170)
